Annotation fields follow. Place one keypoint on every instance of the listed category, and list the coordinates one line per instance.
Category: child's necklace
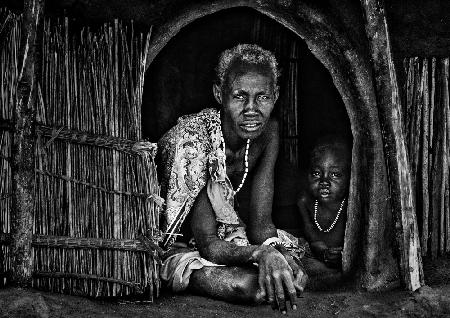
(316, 204)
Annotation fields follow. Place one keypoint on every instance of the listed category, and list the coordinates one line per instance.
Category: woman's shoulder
(270, 136)
(273, 128)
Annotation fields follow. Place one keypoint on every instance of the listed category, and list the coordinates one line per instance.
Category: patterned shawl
(193, 156)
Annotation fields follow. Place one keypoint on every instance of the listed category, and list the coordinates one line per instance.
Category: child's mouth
(324, 192)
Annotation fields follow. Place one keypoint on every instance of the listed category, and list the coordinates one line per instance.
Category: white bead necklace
(247, 146)
(316, 204)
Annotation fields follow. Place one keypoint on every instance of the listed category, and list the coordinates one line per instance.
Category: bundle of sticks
(10, 32)
(89, 183)
(426, 120)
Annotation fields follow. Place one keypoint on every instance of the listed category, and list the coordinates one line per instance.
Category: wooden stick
(444, 160)
(425, 155)
(446, 105)
(436, 172)
(22, 150)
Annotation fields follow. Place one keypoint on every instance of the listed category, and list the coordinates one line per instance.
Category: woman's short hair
(251, 54)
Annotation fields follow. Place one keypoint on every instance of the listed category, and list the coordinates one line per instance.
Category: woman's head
(246, 54)
(246, 87)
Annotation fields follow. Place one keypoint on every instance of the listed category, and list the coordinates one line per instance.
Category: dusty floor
(429, 302)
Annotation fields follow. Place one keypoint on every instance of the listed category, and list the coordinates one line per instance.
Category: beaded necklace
(316, 204)
(247, 146)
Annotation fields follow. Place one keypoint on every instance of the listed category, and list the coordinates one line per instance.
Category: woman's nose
(250, 106)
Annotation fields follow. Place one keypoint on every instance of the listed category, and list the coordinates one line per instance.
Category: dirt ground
(433, 301)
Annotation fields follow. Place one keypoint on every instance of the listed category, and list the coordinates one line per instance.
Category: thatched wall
(93, 225)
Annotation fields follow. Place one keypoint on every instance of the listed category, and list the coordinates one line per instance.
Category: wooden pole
(389, 106)
(23, 146)
(425, 156)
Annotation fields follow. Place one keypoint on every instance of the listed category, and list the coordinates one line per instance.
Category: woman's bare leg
(234, 284)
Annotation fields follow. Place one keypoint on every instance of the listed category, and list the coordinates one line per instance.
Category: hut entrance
(180, 66)
(179, 80)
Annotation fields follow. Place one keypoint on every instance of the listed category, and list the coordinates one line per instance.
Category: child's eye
(315, 174)
(336, 175)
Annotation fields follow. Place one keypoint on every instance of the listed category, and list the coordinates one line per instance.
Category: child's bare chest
(329, 226)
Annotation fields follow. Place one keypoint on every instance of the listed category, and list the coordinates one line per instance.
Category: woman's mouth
(250, 126)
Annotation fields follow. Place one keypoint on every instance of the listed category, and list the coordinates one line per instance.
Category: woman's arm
(260, 225)
(275, 276)
(204, 229)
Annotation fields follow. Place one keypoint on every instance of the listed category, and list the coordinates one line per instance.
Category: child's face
(329, 175)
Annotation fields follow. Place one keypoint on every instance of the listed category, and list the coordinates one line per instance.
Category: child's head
(329, 169)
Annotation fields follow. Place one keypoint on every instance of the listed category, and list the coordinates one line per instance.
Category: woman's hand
(300, 276)
(276, 276)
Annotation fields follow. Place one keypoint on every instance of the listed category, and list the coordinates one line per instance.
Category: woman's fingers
(294, 266)
(262, 285)
(268, 282)
(279, 291)
(300, 282)
(289, 284)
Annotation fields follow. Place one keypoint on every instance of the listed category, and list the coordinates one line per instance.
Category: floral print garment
(193, 156)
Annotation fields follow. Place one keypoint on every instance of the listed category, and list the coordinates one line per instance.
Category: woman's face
(247, 101)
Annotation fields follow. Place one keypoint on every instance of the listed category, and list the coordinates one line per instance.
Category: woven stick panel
(86, 203)
(426, 122)
(82, 202)
(93, 81)
(10, 29)
(5, 201)
(91, 184)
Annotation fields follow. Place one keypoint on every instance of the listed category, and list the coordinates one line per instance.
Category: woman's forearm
(226, 253)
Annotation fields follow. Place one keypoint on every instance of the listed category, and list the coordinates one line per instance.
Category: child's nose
(324, 180)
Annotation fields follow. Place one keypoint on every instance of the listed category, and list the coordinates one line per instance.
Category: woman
(206, 159)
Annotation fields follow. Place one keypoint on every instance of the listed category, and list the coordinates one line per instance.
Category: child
(323, 204)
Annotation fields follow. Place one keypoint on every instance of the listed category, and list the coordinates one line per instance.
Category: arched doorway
(368, 246)
(179, 80)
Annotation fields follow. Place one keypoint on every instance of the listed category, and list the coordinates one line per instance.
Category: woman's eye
(315, 174)
(263, 97)
(240, 97)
